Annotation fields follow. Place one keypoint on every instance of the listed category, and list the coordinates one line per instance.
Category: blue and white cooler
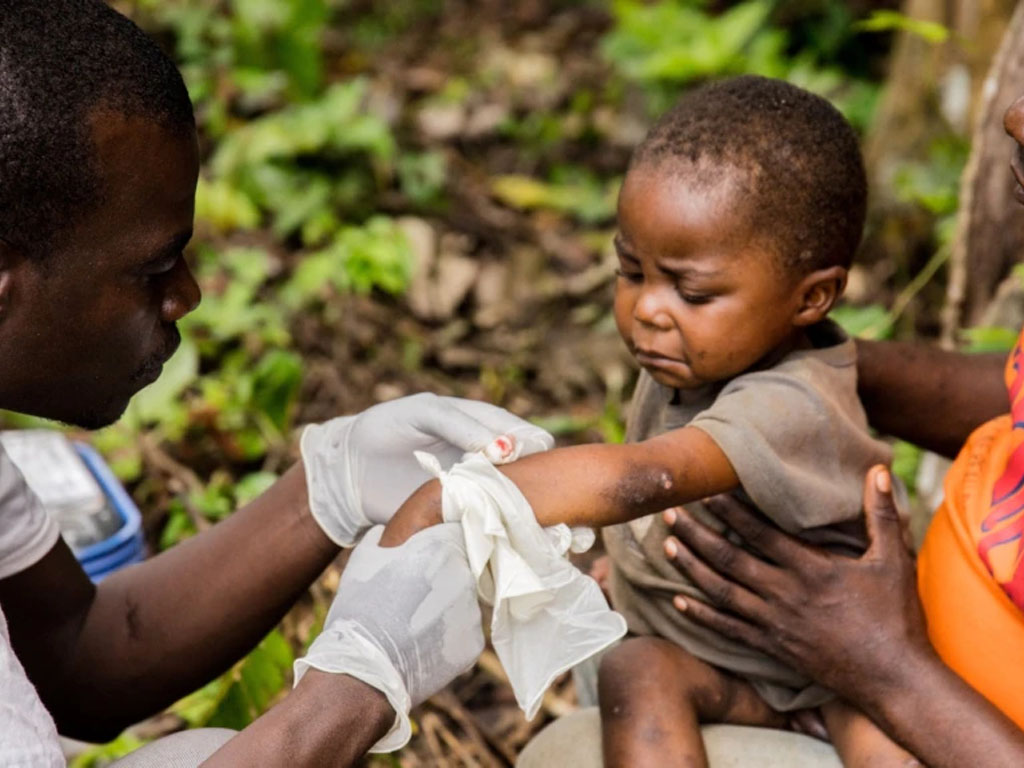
(97, 518)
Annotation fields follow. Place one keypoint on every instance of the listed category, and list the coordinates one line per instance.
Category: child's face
(697, 300)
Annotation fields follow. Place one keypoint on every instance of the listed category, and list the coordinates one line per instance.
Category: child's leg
(860, 743)
(654, 695)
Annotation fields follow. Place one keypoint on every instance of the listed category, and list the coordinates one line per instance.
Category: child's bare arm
(596, 485)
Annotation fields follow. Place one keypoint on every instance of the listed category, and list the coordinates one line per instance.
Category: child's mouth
(653, 360)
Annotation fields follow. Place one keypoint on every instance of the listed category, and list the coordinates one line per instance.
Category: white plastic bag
(547, 615)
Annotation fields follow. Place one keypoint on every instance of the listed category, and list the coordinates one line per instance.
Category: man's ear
(9, 259)
(818, 292)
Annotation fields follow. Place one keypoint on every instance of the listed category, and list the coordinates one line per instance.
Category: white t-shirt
(28, 737)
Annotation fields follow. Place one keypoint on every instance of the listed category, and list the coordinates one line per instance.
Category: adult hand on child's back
(842, 621)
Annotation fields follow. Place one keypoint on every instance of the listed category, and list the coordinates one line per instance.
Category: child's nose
(650, 310)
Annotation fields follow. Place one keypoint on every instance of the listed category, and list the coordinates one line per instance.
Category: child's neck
(796, 339)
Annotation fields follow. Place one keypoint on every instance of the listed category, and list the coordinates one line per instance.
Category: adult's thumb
(881, 516)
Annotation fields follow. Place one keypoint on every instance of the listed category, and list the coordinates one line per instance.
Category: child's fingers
(809, 722)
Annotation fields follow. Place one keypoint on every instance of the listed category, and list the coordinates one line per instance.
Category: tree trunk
(990, 225)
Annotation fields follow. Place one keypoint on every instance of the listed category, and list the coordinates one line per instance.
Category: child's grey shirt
(797, 437)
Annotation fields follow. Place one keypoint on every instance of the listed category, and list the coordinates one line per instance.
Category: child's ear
(818, 292)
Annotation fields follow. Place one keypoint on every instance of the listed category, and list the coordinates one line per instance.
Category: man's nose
(182, 294)
(1013, 120)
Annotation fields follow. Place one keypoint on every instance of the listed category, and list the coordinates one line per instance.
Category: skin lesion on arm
(595, 485)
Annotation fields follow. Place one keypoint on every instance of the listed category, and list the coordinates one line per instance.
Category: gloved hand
(405, 620)
(359, 469)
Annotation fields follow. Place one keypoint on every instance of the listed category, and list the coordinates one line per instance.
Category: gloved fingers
(441, 419)
(498, 421)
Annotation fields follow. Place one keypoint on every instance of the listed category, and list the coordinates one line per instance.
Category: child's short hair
(805, 182)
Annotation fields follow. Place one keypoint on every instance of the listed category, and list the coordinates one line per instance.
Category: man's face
(696, 301)
(94, 323)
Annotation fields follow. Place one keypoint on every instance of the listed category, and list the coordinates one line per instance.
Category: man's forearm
(328, 720)
(161, 629)
(940, 719)
(929, 396)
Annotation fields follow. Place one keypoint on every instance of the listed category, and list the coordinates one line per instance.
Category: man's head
(738, 220)
(98, 165)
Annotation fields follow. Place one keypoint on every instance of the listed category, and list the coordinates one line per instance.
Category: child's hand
(421, 510)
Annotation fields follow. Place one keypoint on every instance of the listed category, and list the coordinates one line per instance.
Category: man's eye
(162, 268)
(633, 277)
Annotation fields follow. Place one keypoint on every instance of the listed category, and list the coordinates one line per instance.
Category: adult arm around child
(929, 396)
(854, 625)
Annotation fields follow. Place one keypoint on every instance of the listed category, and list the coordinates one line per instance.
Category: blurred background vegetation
(420, 195)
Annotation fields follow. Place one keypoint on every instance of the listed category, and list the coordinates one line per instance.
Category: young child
(738, 219)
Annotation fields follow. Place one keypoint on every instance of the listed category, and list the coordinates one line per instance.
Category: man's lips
(153, 367)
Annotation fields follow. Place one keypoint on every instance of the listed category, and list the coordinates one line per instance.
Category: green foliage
(678, 42)
(934, 183)
(266, 49)
(358, 259)
(888, 21)
(671, 44)
(266, 161)
(906, 460)
(104, 754)
(991, 338)
(571, 191)
(871, 321)
(244, 692)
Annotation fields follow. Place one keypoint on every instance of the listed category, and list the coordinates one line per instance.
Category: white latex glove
(405, 621)
(359, 469)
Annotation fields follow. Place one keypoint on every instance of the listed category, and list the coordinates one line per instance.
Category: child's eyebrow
(620, 246)
(689, 273)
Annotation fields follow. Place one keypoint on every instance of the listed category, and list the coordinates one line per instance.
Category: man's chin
(92, 418)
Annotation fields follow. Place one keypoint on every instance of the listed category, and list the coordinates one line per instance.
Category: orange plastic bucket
(972, 622)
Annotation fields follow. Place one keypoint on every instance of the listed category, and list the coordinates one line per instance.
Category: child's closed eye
(695, 298)
(633, 276)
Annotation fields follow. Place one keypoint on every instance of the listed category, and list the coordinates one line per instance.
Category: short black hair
(60, 62)
(804, 177)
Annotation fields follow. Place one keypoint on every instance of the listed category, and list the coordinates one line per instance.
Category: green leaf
(889, 21)
(252, 486)
(243, 693)
(990, 339)
(276, 382)
(906, 459)
(104, 754)
(868, 322)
